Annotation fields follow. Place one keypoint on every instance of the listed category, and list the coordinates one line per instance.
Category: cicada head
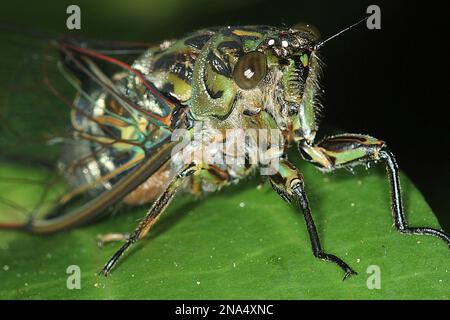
(264, 73)
(293, 74)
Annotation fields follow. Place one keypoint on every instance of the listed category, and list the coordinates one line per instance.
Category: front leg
(288, 182)
(347, 150)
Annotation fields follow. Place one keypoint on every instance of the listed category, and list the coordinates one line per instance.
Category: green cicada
(131, 99)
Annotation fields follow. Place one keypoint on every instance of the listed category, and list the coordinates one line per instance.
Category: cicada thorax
(205, 72)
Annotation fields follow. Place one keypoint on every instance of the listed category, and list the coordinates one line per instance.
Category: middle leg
(288, 182)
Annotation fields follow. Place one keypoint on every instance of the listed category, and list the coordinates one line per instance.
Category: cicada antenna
(320, 44)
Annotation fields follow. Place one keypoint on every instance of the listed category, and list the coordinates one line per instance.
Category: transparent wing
(74, 138)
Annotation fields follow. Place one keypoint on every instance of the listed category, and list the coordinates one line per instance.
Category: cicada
(129, 100)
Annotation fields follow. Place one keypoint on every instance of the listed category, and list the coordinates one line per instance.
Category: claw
(348, 273)
(104, 272)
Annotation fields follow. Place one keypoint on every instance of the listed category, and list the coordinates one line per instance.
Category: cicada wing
(72, 142)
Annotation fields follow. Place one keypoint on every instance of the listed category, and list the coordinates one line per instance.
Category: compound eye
(306, 28)
(249, 70)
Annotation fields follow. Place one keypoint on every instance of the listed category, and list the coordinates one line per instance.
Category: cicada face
(257, 76)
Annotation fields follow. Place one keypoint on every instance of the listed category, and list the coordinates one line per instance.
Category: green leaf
(243, 242)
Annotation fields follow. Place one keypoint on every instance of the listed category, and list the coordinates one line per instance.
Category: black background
(390, 83)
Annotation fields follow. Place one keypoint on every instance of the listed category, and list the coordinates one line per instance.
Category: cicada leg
(152, 215)
(288, 182)
(397, 207)
(347, 150)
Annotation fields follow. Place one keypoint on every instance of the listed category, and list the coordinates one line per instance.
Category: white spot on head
(248, 73)
(284, 44)
(271, 42)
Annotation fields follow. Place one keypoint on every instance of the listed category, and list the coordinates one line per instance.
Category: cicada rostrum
(119, 140)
